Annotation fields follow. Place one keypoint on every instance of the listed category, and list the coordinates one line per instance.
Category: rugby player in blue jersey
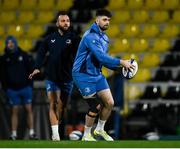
(90, 57)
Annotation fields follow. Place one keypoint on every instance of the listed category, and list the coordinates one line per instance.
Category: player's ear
(97, 21)
(57, 24)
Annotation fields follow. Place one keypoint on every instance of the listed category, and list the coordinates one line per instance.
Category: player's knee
(52, 105)
(15, 110)
(28, 109)
(109, 104)
(94, 110)
(59, 103)
(94, 107)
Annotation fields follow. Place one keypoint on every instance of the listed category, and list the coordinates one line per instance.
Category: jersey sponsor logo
(53, 40)
(68, 41)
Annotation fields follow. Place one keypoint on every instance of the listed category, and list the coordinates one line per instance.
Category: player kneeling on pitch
(90, 57)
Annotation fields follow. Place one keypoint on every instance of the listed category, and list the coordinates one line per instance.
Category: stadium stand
(28, 5)
(152, 92)
(152, 5)
(7, 17)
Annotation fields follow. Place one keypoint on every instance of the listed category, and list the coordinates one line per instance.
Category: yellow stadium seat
(132, 92)
(135, 4)
(25, 44)
(161, 45)
(176, 16)
(2, 30)
(120, 17)
(170, 30)
(45, 5)
(63, 4)
(143, 75)
(173, 4)
(150, 30)
(131, 56)
(139, 45)
(44, 17)
(10, 5)
(2, 46)
(7, 17)
(15, 30)
(160, 16)
(113, 31)
(35, 31)
(118, 4)
(153, 4)
(120, 45)
(131, 30)
(1, 3)
(28, 4)
(113, 52)
(26, 17)
(140, 16)
(150, 60)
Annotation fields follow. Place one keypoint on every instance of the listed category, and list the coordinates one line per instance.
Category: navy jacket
(60, 52)
(15, 68)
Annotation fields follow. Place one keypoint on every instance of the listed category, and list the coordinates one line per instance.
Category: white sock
(87, 130)
(31, 132)
(14, 133)
(100, 125)
(55, 131)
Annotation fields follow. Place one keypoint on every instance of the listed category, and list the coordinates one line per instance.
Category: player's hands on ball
(127, 65)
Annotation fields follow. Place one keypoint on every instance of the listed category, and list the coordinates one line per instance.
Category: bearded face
(103, 22)
(63, 23)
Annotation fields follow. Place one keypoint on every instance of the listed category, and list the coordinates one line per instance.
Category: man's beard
(104, 27)
(63, 30)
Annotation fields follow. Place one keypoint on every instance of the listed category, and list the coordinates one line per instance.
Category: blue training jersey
(92, 53)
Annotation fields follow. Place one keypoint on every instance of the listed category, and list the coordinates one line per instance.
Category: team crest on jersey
(68, 41)
(87, 90)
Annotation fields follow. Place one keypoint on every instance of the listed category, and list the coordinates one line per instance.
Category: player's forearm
(112, 67)
(107, 60)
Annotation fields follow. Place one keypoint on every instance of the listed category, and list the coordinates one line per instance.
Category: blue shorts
(52, 86)
(21, 96)
(91, 85)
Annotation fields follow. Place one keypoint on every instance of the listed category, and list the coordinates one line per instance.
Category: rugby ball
(130, 73)
(152, 136)
(75, 135)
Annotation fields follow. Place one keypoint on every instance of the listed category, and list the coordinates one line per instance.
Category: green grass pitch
(81, 144)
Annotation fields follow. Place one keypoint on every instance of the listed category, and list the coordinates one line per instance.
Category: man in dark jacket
(15, 66)
(61, 47)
